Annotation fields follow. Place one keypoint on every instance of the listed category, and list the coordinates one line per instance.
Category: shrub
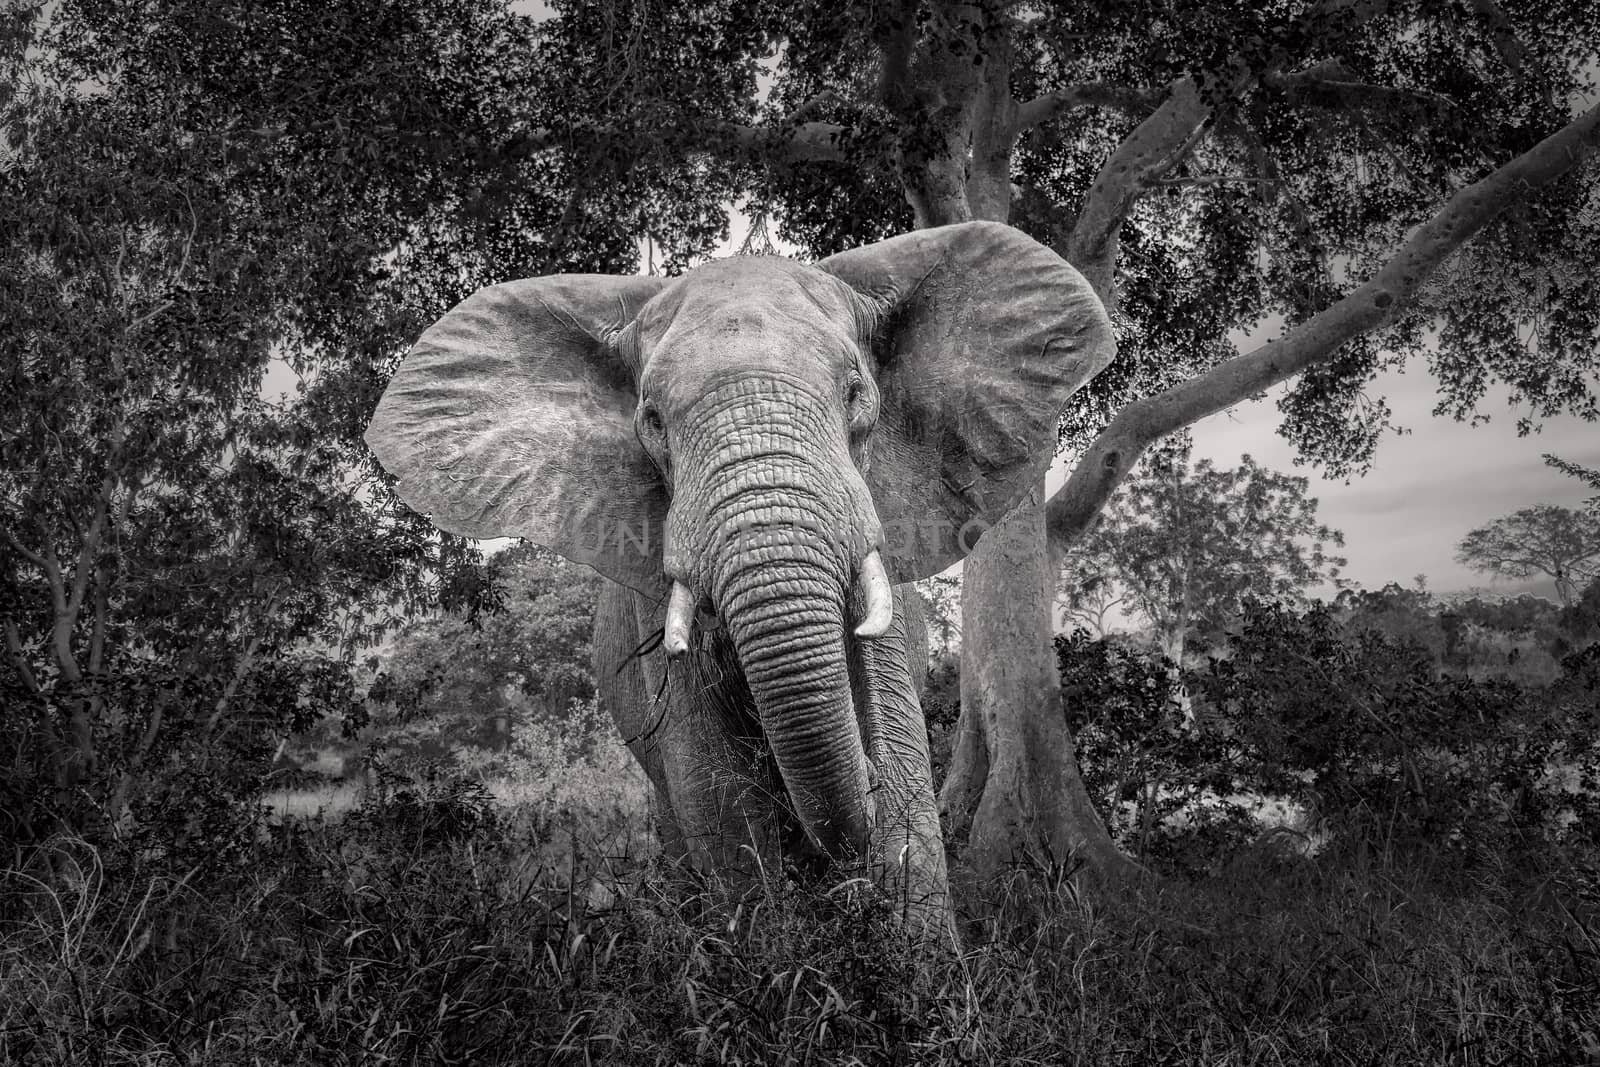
(1358, 727)
(941, 710)
(1167, 793)
(1368, 733)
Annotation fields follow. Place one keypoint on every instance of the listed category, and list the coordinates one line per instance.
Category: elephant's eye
(854, 392)
(650, 418)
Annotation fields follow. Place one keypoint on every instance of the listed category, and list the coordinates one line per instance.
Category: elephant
(759, 454)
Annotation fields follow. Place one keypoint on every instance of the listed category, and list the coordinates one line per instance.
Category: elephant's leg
(908, 843)
(916, 637)
(620, 685)
(703, 735)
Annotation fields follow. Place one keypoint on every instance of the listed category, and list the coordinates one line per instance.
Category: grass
(481, 922)
(441, 929)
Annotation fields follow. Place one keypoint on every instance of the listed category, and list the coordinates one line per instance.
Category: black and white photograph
(800, 532)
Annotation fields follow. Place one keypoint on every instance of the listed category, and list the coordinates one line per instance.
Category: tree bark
(1013, 792)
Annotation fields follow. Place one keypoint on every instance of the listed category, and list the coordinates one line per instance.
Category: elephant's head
(767, 440)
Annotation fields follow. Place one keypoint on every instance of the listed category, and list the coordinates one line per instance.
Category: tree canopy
(456, 672)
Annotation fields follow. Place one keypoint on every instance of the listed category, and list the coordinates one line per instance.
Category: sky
(1427, 488)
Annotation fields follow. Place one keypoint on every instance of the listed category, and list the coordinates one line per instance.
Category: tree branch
(994, 138)
(895, 34)
(97, 527)
(24, 551)
(1267, 164)
(1162, 140)
(18, 660)
(1145, 153)
(1511, 50)
(242, 668)
(1504, 35)
(1046, 108)
(52, 575)
(1332, 83)
(83, 570)
(1379, 299)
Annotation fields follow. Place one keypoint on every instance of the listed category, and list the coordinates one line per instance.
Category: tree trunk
(1013, 792)
(1179, 706)
(1013, 787)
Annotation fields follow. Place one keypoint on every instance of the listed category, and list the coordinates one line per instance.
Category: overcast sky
(1427, 488)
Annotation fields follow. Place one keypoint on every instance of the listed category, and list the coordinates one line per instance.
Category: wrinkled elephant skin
(755, 453)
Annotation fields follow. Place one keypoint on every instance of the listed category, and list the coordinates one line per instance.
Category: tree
(1164, 150)
(460, 672)
(1544, 539)
(1184, 546)
(187, 569)
(1206, 166)
(1400, 615)
(1580, 621)
(1361, 727)
(941, 604)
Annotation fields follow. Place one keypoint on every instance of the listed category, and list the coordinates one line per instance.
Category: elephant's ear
(980, 335)
(513, 417)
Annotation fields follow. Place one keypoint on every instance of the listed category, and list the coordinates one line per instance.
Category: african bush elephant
(754, 453)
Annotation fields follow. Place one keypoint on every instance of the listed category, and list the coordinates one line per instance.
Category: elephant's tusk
(680, 614)
(874, 584)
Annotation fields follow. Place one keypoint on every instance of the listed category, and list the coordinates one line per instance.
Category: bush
(1358, 727)
(1367, 732)
(1168, 794)
(941, 710)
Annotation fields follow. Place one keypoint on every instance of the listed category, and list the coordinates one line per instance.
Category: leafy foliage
(941, 605)
(1374, 734)
(184, 564)
(1520, 639)
(1580, 622)
(1354, 723)
(1336, 130)
(1183, 546)
(447, 678)
(1404, 615)
(1143, 772)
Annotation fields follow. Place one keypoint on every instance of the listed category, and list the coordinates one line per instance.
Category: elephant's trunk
(770, 522)
(786, 617)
